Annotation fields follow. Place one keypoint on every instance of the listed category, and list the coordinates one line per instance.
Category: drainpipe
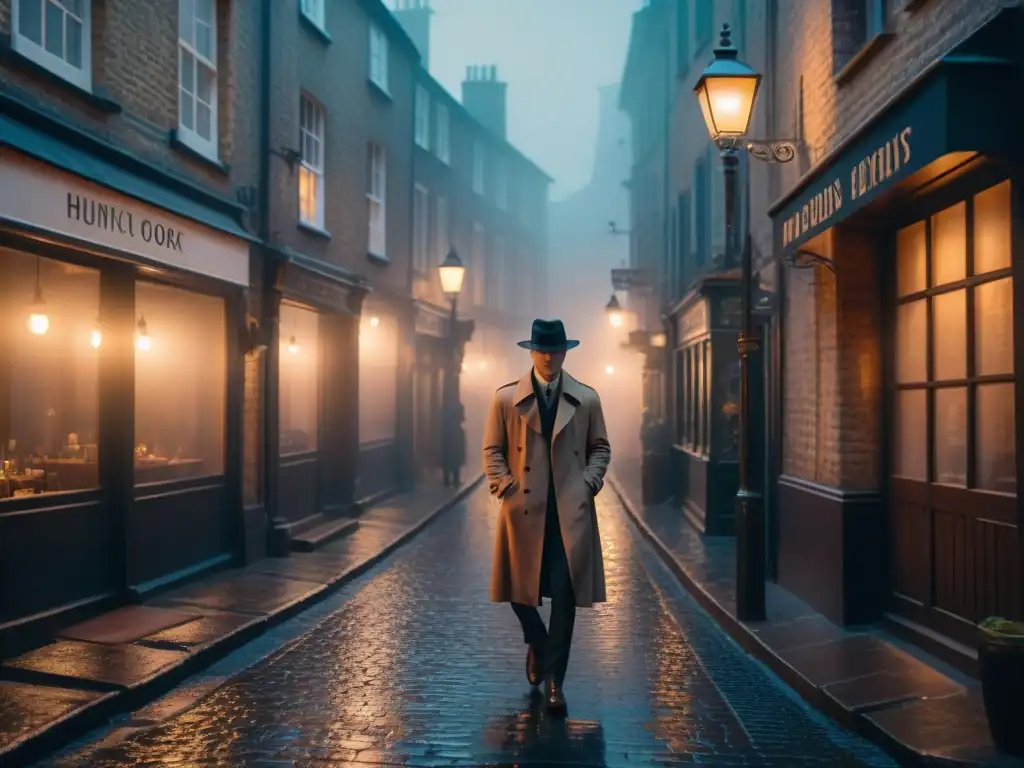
(270, 303)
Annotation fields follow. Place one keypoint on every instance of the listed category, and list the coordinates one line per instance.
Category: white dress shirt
(547, 388)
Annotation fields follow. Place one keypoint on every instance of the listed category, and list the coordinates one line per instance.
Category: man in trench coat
(546, 452)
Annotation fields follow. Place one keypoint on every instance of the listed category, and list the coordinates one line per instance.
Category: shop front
(898, 494)
(120, 383)
(433, 351)
(312, 357)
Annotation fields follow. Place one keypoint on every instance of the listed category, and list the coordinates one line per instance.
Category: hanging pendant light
(143, 342)
(38, 320)
(97, 335)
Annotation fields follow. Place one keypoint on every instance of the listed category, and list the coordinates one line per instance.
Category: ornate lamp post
(727, 91)
(453, 273)
(614, 311)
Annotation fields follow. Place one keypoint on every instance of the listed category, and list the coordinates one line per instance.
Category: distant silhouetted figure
(453, 444)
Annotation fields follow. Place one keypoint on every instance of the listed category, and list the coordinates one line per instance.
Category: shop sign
(631, 279)
(693, 323)
(60, 202)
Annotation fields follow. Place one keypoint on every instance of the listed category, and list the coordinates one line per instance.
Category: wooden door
(953, 516)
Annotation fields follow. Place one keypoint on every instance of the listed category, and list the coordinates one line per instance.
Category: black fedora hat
(548, 336)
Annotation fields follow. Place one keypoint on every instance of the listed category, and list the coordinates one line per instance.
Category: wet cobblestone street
(419, 668)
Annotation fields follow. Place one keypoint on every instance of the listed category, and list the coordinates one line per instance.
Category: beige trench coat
(515, 460)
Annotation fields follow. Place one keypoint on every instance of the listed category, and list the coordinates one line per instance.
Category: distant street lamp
(614, 312)
(452, 273)
(727, 91)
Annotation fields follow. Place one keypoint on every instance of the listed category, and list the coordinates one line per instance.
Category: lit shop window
(299, 379)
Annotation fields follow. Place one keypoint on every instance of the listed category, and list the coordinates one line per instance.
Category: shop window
(970, 384)
(693, 422)
(299, 380)
(180, 384)
(49, 376)
(378, 377)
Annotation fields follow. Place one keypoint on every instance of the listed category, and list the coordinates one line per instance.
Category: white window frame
(441, 229)
(478, 166)
(189, 136)
(420, 229)
(379, 58)
(443, 140)
(500, 186)
(376, 195)
(315, 12)
(81, 77)
(312, 135)
(422, 117)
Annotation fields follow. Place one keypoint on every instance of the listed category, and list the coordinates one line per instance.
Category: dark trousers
(555, 640)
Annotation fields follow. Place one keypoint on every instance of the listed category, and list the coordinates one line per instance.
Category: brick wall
(832, 373)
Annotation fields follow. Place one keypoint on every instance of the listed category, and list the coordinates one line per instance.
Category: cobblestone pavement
(418, 668)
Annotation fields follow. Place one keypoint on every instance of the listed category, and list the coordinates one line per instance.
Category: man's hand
(509, 489)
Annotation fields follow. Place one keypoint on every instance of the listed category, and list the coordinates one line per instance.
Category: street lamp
(452, 273)
(614, 311)
(727, 91)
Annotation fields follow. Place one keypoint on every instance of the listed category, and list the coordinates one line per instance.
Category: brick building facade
(886, 259)
(207, 238)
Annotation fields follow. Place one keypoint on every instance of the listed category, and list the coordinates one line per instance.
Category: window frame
(422, 118)
(317, 15)
(36, 52)
(443, 138)
(319, 169)
(477, 264)
(442, 231)
(379, 53)
(500, 186)
(209, 148)
(377, 171)
(478, 167)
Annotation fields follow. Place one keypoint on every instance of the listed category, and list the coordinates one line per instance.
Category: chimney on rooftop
(484, 96)
(414, 16)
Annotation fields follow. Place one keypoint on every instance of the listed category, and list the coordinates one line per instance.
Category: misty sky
(554, 54)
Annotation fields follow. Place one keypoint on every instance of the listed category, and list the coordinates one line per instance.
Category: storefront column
(339, 440)
(405, 432)
(271, 321)
(234, 405)
(117, 412)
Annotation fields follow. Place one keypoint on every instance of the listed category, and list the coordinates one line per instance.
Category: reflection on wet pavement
(418, 668)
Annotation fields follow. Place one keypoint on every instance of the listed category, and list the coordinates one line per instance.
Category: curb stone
(58, 733)
(747, 640)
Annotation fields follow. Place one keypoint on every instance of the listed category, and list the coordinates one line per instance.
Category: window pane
(204, 121)
(910, 457)
(949, 245)
(30, 20)
(911, 342)
(299, 379)
(187, 72)
(205, 80)
(187, 110)
(180, 384)
(949, 342)
(186, 21)
(49, 377)
(911, 258)
(992, 229)
(378, 375)
(54, 29)
(996, 457)
(951, 436)
(74, 43)
(204, 41)
(993, 327)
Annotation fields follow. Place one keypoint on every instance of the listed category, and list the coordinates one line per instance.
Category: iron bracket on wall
(765, 150)
(804, 259)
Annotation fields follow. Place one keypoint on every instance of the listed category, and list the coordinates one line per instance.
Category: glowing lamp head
(452, 272)
(609, 369)
(614, 311)
(143, 342)
(97, 338)
(38, 320)
(727, 91)
(374, 322)
(293, 346)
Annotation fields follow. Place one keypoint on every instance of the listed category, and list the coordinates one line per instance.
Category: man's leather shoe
(555, 697)
(534, 665)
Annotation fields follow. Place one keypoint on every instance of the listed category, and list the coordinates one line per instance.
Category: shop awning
(961, 106)
(50, 149)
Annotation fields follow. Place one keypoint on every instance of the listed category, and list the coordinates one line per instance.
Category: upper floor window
(441, 229)
(55, 34)
(311, 170)
(376, 195)
(855, 24)
(422, 117)
(478, 265)
(197, 75)
(500, 187)
(875, 17)
(478, 167)
(378, 57)
(442, 143)
(314, 11)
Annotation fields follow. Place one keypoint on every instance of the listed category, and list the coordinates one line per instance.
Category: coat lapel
(526, 402)
(571, 398)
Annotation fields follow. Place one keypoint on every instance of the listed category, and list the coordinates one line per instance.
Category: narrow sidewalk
(119, 661)
(857, 676)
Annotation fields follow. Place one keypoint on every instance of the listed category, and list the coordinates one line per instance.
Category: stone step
(325, 533)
